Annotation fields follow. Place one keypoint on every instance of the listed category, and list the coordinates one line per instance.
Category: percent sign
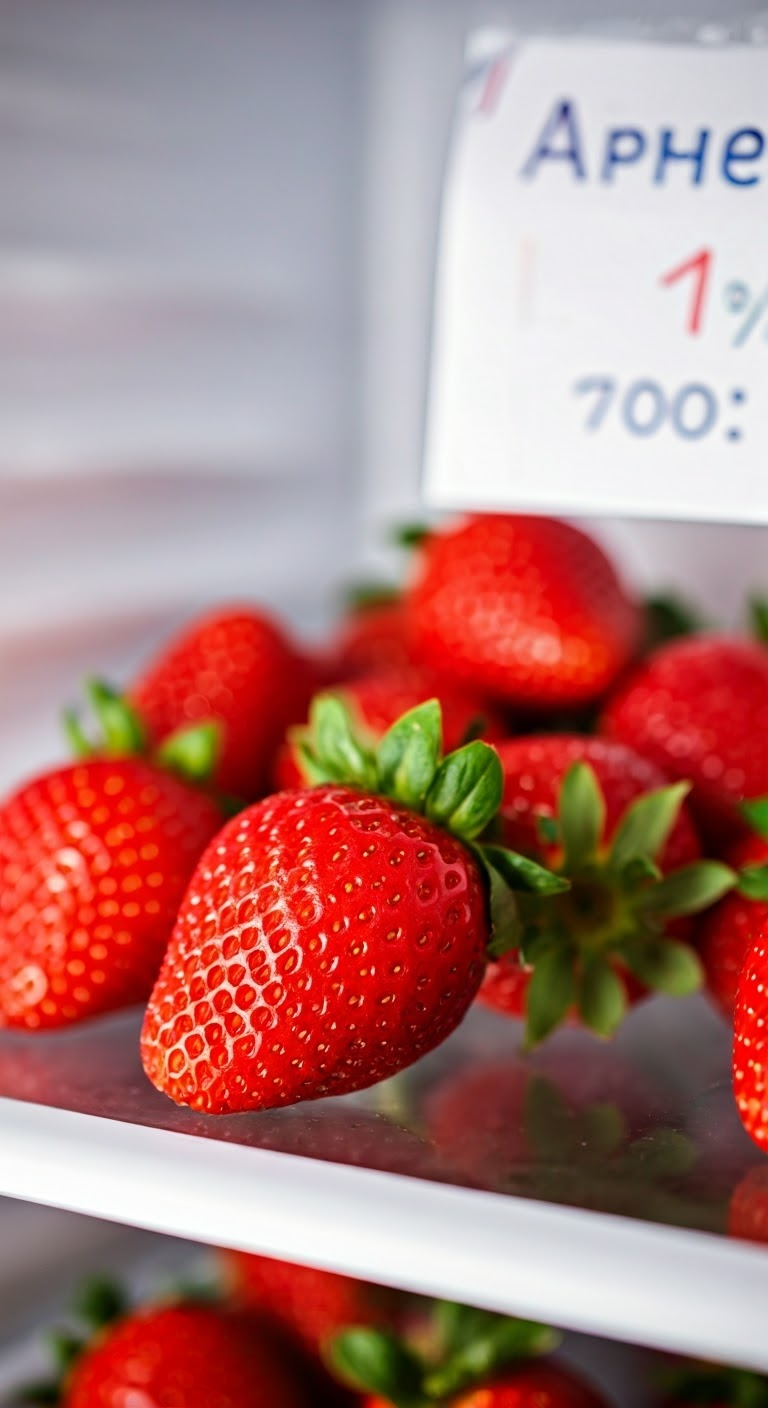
(739, 298)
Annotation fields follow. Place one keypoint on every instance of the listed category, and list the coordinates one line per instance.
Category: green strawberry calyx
(753, 879)
(460, 792)
(611, 922)
(191, 751)
(458, 1348)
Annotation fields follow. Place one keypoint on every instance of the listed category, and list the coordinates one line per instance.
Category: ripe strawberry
(627, 845)
(750, 1058)
(475, 1360)
(729, 931)
(527, 610)
(698, 708)
(331, 937)
(310, 1304)
(191, 1356)
(376, 702)
(235, 666)
(94, 860)
(372, 637)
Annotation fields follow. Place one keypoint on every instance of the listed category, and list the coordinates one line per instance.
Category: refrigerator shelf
(589, 1186)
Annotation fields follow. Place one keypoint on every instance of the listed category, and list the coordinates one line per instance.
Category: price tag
(601, 323)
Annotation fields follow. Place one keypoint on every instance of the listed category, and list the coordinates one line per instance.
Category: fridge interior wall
(217, 241)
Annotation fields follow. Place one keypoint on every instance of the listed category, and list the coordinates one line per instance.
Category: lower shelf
(588, 1186)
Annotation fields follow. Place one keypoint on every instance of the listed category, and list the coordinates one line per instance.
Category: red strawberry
(527, 610)
(528, 1386)
(628, 846)
(750, 1057)
(310, 1304)
(377, 701)
(372, 637)
(94, 860)
(235, 666)
(698, 708)
(191, 1356)
(330, 937)
(730, 930)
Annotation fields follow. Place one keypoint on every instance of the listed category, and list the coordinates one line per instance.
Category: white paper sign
(601, 324)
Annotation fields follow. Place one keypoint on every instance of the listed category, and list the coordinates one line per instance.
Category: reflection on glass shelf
(644, 1127)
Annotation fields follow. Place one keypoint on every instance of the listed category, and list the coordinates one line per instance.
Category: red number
(700, 265)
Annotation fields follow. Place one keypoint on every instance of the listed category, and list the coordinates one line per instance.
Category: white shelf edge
(672, 1289)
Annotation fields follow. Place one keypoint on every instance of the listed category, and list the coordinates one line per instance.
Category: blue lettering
(667, 153)
(735, 151)
(562, 119)
(623, 146)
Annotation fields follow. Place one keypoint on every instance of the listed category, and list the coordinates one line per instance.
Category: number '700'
(644, 407)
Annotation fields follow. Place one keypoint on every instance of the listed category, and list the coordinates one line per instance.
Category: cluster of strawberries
(490, 786)
(287, 1335)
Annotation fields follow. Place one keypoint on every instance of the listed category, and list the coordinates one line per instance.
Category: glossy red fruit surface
(533, 771)
(372, 638)
(698, 708)
(186, 1356)
(750, 1045)
(94, 860)
(377, 701)
(236, 666)
(533, 1385)
(328, 939)
(311, 1304)
(526, 610)
(729, 931)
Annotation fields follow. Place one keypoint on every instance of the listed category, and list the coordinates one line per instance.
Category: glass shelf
(589, 1184)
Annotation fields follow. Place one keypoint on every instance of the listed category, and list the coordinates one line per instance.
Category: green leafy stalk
(191, 752)
(467, 1347)
(758, 616)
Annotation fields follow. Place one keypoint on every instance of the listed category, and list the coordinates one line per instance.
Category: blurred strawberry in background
(237, 666)
(529, 611)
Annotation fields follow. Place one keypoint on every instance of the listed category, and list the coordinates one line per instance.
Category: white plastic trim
(677, 1290)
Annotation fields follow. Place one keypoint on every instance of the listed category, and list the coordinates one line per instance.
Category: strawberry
(191, 1356)
(698, 708)
(750, 1059)
(526, 610)
(467, 1359)
(377, 701)
(599, 815)
(189, 1353)
(729, 930)
(372, 637)
(309, 1304)
(94, 860)
(236, 666)
(331, 937)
